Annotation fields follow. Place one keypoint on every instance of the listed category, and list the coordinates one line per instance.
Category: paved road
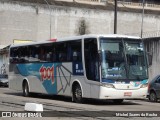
(62, 106)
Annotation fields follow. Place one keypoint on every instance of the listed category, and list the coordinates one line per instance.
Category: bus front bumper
(112, 93)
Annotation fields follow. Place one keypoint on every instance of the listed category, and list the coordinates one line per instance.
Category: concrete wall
(153, 48)
(26, 21)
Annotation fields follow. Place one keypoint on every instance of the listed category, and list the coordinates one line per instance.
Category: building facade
(36, 21)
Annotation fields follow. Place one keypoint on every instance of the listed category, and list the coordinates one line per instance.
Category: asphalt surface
(60, 107)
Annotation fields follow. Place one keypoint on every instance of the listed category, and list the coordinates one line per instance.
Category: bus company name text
(47, 73)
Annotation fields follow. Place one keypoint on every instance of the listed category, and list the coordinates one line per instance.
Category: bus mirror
(149, 58)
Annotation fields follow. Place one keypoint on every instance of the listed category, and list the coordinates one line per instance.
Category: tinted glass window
(45, 53)
(91, 59)
(68, 51)
(57, 52)
(61, 51)
(75, 51)
(19, 55)
(158, 80)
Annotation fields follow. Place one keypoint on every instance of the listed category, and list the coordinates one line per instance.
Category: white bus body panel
(112, 93)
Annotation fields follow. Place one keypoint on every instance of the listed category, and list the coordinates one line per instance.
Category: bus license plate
(127, 93)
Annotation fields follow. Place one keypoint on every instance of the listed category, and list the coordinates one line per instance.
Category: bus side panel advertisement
(45, 72)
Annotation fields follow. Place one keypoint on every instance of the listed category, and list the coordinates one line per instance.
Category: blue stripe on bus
(136, 83)
(45, 72)
(108, 81)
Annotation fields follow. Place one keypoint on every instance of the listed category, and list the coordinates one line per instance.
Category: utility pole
(142, 19)
(115, 17)
(50, 25)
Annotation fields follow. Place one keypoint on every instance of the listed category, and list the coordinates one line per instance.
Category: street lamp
(50, 18)
(142, 20)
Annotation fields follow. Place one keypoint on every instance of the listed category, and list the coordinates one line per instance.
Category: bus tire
(25, 89)
(77, 94)
(117, 101)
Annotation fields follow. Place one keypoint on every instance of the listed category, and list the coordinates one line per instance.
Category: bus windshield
(123, 59)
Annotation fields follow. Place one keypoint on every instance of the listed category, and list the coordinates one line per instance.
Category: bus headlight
(144, 85)
(108, 85)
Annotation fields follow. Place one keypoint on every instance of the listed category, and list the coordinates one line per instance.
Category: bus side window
(48, 56)
(13, 55)
(61, 52)
(75, 51)
(75, 56)
(61, 57)
(53, 57)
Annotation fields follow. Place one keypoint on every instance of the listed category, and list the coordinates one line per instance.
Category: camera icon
(6, 114)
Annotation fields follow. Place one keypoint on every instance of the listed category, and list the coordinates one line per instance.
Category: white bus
(88, 66)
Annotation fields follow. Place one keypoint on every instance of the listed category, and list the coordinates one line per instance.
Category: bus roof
(98, 35)
(79, 37)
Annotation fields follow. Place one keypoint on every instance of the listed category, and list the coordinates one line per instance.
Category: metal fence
(89, 0)
(148, 34)
(147, 5)
(120, 2)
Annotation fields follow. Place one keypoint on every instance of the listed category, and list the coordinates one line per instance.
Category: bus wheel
(77, 94)
(153, 97)
(25, 89)
(118, 101)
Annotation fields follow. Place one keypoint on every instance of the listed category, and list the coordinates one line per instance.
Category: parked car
(154, 89)
(4, 80)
